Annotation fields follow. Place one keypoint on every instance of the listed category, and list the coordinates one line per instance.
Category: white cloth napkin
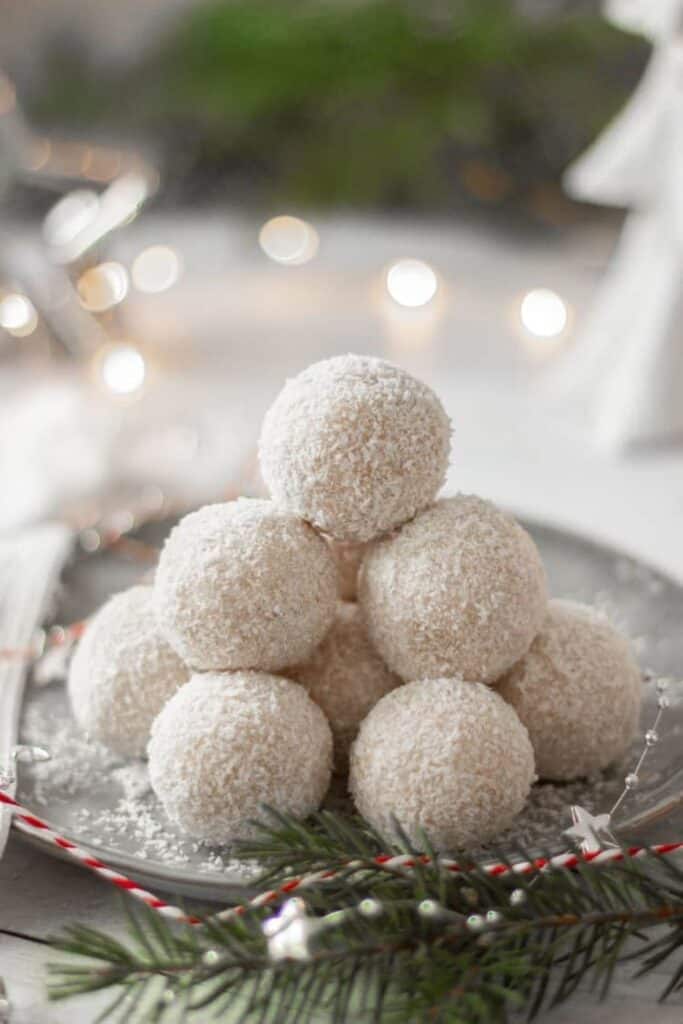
(30, 565)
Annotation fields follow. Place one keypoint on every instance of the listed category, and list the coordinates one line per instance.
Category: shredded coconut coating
(228, 743)
(123, 672)
(445, 757)
(578, 691)
(459, 591)
(348, 558)
(345, 677)
(244, 585)
(355, 446)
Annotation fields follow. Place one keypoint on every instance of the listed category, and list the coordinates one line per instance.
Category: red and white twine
(29, 823)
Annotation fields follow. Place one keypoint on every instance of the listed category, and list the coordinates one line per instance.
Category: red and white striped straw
(28, 822)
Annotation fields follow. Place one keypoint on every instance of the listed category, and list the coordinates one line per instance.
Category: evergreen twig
(562, 929)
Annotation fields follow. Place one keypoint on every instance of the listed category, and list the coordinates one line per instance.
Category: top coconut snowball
(356, 446)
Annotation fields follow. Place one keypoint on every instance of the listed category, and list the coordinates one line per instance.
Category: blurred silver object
(31, 562)
(5, 1008)
(100, 189)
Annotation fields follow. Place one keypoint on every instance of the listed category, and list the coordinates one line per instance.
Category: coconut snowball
(123, 672)
(228, 743)
(459, 591)
(244, 585)
(348, 558)
(444, 757)
(355, 446)
(345, 677)
(578, 691)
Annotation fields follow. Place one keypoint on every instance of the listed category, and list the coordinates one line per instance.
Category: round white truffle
(348, 558)
(444, 757)
(355, 446)
(459, 591)
(244, 585)
(578, 691)
(123, 672)
(345, 677)
(229, 743)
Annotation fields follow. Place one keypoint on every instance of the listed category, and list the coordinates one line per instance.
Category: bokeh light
(155, 269)
(122, 369)
(36, 155)
(124, 197)
(8, 96)
(18, 315)
(100, 163)
(71, 215)
(289, 240)
(101, 287)
(411, 283)
(543, 313)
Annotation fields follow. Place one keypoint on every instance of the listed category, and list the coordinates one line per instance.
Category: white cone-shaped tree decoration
(627, 366)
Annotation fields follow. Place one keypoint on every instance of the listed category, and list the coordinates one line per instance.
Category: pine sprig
(457, 948)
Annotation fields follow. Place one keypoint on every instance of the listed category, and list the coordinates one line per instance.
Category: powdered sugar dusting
(92, 794)
(459, 591)
(123, 672)
(445, 756)
(354, 445)
(228, 743)
(345, 677)
(106, 803)
(578, 690)
(243, 585)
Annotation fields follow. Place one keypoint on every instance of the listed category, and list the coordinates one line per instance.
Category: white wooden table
(510, 445)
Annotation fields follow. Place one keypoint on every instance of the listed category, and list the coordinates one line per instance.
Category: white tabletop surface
(512, 443)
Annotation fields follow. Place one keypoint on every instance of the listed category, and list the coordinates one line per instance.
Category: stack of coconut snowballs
(354, 623)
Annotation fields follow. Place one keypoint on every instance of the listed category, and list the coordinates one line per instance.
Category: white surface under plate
(105, 805)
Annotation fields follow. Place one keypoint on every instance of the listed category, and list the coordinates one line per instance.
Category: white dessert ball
(355, 446)
(345, 677)
(348, 557)
(123, 672)
(244, 585)
(459, 591)
(578, 691)
(444, 757)
(229, 743)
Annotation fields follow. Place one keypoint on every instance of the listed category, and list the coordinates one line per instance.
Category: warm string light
(121, 370)
(71, 215)
(411, 283)
(289, 240)
(102, 286)
(18, 315)
(83, 219)
(156, 269)
(543, 313)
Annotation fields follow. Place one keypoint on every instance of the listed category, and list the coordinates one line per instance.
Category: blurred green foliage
(384, 103)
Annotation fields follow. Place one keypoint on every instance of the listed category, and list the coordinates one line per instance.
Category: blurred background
(200, 198)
